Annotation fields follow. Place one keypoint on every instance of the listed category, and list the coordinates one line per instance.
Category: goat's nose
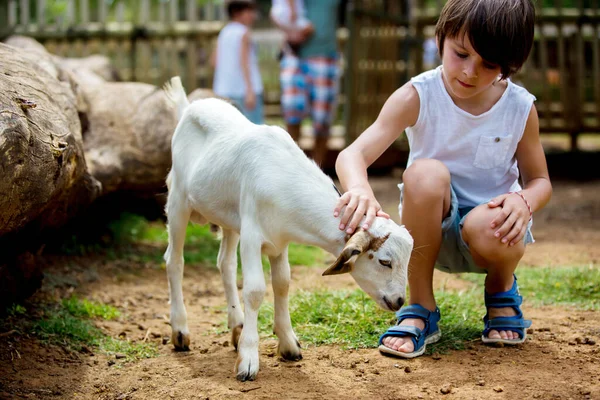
(400, 302)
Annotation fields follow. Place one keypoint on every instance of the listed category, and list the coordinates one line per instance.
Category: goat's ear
(356, 245)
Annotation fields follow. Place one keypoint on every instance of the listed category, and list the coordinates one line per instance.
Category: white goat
(259, 187)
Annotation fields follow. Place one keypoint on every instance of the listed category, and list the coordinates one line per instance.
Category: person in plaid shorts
(309, 77)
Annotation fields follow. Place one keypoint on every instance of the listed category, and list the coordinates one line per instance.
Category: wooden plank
(41, 14)
(191, 11)
(12, 13)
(24, 6)
(102, 13)
(84, 11)
(144, 12)
(596, 63)
(543, 60)
(173, 11)
(191, 66)
(70, 14)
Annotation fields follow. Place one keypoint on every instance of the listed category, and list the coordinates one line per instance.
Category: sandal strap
(419, 312)
(415, 334)
(513, 324)
(510, 298)
(500, 323)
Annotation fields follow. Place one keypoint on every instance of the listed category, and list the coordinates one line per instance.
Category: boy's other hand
(250, 100)
(512, 220)
(359, 203)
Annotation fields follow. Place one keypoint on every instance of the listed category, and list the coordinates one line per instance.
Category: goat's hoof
(236, 332)
(291, 354)
(180, 340)
(245, 370)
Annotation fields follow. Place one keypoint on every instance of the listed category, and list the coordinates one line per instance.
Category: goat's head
(378, 260)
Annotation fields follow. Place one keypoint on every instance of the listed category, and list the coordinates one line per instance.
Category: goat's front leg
(227, 263)
(289, 347)
(178, 217)
(247, 366)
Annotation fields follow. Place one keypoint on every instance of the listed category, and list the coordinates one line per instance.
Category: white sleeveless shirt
(478, 150)
(229, 79)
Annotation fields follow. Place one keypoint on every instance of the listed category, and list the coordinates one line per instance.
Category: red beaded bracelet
(526, 203)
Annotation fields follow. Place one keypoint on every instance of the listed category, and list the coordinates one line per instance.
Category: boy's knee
(486, 248)
(425, 178)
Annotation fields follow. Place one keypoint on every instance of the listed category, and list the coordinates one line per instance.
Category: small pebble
(481, 382)
(498, 389)
(446, 389)
(119, 356)
(591, 342)
(407, 369)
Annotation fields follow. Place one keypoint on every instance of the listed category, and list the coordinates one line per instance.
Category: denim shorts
(455, 256)
(256, 115)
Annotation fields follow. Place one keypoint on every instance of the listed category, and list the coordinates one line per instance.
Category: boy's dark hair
(236, 6)
(500, 31)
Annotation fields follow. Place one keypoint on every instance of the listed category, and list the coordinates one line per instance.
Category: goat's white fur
(259, 187)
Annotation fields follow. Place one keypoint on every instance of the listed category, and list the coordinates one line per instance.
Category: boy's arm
(400, 111)
(537, 190)
(292, 6)
(250, 99)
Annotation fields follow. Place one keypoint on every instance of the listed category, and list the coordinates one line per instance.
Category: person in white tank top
(237, 75)
(472, 135)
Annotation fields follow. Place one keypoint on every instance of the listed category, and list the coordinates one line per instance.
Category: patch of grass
(352, 320)
(567, 286)
(89, 309)
(69, 324)
(301, 254)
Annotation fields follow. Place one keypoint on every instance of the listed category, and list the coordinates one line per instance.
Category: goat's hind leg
(227, 263)
(289, 347)
(178, 216)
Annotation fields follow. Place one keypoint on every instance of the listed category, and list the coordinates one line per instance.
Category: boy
(237, 76)
(471, 131)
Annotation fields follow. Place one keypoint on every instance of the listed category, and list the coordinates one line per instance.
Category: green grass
(70, 324)
(201, 245)
(566, 286)
(352, 320)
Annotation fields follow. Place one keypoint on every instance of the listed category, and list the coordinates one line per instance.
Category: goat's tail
(176, 93)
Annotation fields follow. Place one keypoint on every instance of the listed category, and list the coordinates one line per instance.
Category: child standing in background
(291, 15)
(237, 76)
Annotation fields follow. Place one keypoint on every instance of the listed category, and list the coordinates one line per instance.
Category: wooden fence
(386, 48)
(151, 40)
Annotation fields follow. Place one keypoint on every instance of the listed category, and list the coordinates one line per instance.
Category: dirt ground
(551, 365)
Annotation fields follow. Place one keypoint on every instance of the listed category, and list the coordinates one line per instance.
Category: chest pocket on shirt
(492, 151)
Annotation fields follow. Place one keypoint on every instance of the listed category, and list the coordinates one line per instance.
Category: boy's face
(466, 74)
(248, 16)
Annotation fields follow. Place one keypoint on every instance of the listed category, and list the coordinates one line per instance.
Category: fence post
(349, 73)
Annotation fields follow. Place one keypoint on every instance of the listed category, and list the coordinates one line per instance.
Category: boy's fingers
(358, 215)
(381, 213)
(371, 214)
(497, 201)
(505, 228)
(348, 212)
(340, 203)
(519, 237)
(514, 232)
(499, 219)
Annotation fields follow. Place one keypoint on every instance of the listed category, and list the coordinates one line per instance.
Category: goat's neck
(317, 224)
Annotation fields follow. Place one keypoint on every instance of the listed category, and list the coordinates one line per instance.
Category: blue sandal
(516, 323)
(420, 338)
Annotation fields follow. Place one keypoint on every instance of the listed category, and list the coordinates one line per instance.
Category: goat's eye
(386, 263)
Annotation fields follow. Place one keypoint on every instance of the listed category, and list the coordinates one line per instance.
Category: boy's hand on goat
(512, 218)
(359, 203)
